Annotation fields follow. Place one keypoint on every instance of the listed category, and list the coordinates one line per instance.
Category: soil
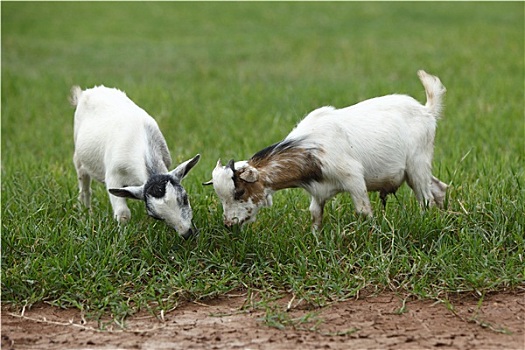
(386, 321)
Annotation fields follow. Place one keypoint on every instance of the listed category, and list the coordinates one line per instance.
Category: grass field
(226, 80)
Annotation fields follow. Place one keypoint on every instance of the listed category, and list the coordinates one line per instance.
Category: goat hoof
(123, 219)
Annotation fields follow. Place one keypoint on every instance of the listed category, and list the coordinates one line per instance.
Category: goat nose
(186, 235)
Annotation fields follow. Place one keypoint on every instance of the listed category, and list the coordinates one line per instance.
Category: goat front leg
(121, 211)
(317, 209)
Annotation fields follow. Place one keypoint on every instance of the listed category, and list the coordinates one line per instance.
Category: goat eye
(156, 186)
(239, 193)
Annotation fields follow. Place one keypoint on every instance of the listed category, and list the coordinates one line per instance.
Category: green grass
(226, 80)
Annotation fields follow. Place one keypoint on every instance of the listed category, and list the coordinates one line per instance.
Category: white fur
(234, 210)
(222, 180)
(118, 143)
(374, 145)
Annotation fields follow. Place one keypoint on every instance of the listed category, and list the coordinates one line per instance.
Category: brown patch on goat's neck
(287, 165)
(245, 191)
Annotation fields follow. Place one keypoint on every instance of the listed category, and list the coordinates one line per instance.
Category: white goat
(118, 143)
(374, 145)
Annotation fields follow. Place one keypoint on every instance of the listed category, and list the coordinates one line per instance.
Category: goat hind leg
(439, 190)
(419, 178)
(84, 183)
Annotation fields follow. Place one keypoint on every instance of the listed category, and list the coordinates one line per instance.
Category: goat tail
(435, 92)
(76, 91)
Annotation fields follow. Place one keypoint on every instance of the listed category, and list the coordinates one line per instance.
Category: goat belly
(386, 185)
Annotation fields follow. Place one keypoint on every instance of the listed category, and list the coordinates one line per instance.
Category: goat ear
(183, 169)
(249, 174)
(133, 192)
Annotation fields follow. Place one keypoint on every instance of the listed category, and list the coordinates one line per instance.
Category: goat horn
(218, 165)
(231, 165)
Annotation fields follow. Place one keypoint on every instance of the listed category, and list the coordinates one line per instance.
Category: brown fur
(248, 190)
(280, 166)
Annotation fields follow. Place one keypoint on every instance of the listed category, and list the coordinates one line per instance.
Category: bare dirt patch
(380, 322)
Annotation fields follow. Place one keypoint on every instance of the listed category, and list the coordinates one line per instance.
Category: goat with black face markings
(119, 144)
(375, 145)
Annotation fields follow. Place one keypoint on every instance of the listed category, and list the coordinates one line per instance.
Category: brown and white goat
(375, 145)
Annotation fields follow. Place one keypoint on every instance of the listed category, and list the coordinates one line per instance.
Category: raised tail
(435, 92)
(76, 91)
